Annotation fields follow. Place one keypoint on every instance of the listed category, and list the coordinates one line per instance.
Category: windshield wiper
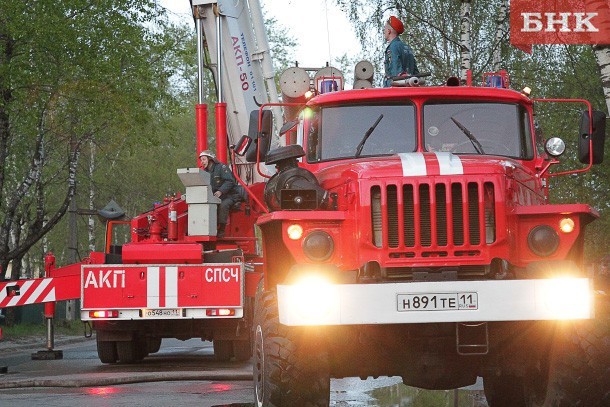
(475, 143)
(367, 135)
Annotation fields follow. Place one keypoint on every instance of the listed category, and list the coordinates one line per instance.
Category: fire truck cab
(411, 235)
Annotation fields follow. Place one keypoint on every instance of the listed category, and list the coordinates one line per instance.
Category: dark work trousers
(225, 207)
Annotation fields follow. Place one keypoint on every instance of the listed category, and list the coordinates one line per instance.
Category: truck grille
(435, 217)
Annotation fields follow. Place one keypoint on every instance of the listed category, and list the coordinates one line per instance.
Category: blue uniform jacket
(398, 59)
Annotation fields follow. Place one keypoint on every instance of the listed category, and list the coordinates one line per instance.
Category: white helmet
(208, 153)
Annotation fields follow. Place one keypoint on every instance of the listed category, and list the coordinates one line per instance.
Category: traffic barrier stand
(3, 369)
(49, 314)
(50, 353)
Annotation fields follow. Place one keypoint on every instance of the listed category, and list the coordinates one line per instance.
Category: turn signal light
(104, 314)
(566, 225)
(295, 231)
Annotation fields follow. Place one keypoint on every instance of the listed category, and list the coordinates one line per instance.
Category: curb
(76, 381)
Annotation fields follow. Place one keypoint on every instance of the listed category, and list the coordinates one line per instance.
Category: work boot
(220, 233)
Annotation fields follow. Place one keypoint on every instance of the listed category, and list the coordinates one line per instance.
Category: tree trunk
(6, 94)
(602, 54)
(72, 252)
(500, 34)
(465, 45)
(91, 220)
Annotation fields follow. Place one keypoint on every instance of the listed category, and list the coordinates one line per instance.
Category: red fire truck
(411, 235)
(175, 278)
(401, 231)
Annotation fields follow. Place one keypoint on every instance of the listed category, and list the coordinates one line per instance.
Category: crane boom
(233, 33)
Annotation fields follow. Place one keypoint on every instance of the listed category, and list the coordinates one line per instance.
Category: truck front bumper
(324, 303)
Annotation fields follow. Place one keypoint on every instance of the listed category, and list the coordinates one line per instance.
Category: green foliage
(108, 87)
(282, 45)
(74, 73)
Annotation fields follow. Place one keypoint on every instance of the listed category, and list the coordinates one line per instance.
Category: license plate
(438, 301)
(161, 313)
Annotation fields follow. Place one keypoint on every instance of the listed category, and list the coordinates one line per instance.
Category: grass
(62, 327)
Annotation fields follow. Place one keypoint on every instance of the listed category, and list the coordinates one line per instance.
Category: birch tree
(501, 32)
(602, 55)
(91, 206)
(465, 45)
(69, 71)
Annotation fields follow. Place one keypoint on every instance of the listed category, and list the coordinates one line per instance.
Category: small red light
(104, 314)
(220, 312)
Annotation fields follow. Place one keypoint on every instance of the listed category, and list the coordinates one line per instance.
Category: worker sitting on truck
(399, 59)
(223, 185)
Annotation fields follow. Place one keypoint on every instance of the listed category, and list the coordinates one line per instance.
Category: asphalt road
(181, 373)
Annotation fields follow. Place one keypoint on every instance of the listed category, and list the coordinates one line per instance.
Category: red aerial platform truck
(402, 231)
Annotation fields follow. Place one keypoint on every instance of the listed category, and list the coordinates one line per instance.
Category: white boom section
(235, 36)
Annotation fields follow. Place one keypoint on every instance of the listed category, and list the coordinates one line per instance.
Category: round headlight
(555, 146)
(318, 246)
(543, 240)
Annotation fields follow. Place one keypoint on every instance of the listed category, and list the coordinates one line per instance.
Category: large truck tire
(578, 369)
(126, 351)
(504, 391)
(242, 350)
(131, 351)
(223, 350)
(290, 364)
(106, 351)
(153, 345)
(580, 364)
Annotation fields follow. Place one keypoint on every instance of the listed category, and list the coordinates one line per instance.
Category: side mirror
(598, 137)
(242, 145)
(262, 140)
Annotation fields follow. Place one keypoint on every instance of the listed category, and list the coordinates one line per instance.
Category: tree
(602, 54)
(465, 51)
(71, 73)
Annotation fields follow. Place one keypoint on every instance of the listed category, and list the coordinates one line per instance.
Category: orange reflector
(220, 312)
(104, 314)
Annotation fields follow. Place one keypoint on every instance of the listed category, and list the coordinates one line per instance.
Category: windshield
(478, 128)
(359, 131)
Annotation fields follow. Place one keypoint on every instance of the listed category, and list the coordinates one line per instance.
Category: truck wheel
(242, 350)
(290, 364)
(223, 350)
(153, 345)
(106, 351)
(131, 351)
(504, 391)
(579, 365)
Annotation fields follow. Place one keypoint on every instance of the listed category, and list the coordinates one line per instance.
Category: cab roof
(422, 92)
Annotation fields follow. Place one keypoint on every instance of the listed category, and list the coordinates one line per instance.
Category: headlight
(318, 246)
(566, 298)
(543, 240)
(314, 297)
